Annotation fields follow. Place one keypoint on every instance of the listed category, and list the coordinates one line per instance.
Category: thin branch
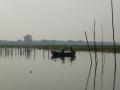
(91, 62)
(96, 59)
(113, 29)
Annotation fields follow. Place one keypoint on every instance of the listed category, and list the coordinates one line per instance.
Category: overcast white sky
(57, 19)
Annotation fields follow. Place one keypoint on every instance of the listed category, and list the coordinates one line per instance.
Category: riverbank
(106, 48)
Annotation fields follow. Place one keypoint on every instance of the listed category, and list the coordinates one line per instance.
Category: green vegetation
(106, 48)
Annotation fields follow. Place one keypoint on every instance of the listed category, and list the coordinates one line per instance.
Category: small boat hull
(65, 54)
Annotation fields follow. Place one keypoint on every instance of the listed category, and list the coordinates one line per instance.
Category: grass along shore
(106, 48)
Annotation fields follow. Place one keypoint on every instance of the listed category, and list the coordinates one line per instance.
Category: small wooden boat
(63, 54)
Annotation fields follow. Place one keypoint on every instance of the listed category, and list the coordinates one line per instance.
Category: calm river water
(34, 69)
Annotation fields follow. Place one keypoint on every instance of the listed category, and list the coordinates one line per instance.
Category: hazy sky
(57, 19)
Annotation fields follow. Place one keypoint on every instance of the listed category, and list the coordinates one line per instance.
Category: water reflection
(63, 59)
(83, 70)
(31, 52)
(16, 52)
(102, 72)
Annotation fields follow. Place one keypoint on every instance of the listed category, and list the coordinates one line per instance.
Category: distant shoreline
(106, 48)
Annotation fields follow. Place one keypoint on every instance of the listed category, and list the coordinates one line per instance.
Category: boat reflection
(63, 59)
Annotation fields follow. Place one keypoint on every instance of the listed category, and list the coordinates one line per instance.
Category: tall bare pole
(102, 60)
(96, 59)
(113, 29)
(91, 61)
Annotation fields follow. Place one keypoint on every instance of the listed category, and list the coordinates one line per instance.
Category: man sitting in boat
(62, 50)
(71, 49)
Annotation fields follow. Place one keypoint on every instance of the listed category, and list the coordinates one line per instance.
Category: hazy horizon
(57, 19)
